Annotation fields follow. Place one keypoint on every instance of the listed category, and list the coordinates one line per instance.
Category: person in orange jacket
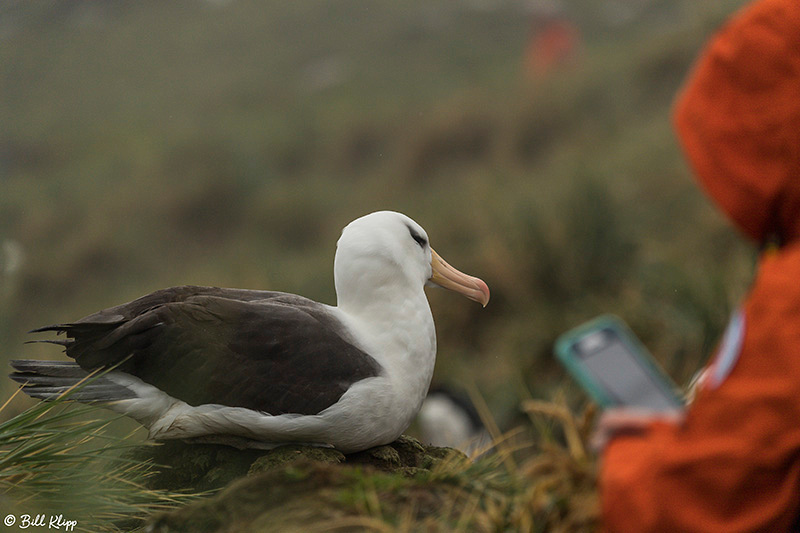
(731, 463)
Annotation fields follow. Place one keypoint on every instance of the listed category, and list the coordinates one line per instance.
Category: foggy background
(149, 144)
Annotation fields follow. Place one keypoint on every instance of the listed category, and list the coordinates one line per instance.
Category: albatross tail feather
(49, 380)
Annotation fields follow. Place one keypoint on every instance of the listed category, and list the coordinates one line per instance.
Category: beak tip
(445, 276)
(483, 294)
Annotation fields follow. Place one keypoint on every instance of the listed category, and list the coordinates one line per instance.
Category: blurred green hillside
(148, 144)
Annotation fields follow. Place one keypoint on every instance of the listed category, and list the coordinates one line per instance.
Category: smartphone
(614, 368)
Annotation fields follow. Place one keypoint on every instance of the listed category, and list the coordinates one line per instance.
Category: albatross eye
(417, 237)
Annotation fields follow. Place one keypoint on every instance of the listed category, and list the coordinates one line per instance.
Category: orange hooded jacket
(734, 464)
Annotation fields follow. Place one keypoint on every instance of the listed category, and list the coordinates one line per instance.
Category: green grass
(57, 459)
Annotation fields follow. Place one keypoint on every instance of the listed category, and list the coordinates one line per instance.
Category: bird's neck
(365, 285)
(398, 331)
(384, 311)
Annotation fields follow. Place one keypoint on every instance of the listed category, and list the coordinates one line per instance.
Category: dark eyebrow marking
(417, 237)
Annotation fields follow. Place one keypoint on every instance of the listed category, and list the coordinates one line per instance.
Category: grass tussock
(58, 458)
(546, 484)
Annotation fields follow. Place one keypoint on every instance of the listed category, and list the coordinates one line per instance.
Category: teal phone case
(566, 354)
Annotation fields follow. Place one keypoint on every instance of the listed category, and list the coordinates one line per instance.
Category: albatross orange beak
(448, 277)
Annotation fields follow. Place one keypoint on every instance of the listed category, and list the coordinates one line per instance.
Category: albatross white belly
(272, 368)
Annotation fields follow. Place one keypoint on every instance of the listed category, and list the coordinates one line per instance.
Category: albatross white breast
(265, 368)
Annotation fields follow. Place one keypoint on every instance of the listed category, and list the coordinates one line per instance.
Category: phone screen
(613, 365)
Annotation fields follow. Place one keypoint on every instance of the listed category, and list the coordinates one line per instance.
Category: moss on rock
(289, 454)
(194, 467)
(296, 488)
(289, 498)
(200, 467)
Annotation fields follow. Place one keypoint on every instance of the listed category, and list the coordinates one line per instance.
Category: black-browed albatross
(267, 368)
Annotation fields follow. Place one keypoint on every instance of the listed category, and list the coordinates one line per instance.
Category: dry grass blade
(572, 426)
(363, 523)
(561, 481)
(499, 442)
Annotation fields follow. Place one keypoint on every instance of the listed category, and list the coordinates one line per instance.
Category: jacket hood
(738, 120)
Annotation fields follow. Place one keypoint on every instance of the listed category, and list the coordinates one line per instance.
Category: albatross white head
(386, 257)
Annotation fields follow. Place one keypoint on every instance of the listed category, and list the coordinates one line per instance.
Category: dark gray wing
(268, 351)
